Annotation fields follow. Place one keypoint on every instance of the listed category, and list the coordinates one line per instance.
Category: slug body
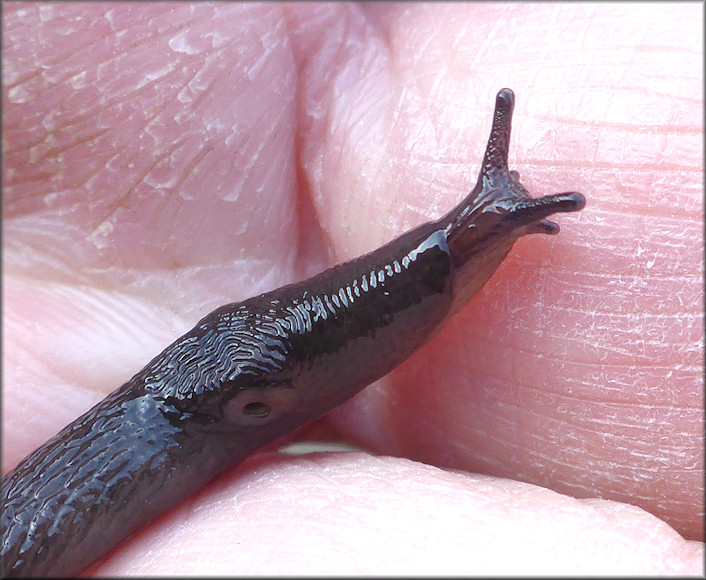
(252, 371)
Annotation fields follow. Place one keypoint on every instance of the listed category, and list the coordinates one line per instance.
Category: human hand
(163, 160)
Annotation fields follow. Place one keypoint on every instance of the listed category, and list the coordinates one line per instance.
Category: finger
(358, 514)
(579, 367)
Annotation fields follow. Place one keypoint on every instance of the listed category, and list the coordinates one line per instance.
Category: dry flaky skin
(251, 371)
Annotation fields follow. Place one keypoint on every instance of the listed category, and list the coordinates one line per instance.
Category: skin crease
(577, 368)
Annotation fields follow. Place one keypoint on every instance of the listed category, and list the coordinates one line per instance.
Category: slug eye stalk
(533, 211)
(498, 147)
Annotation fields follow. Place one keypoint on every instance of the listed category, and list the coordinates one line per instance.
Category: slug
(251, 371)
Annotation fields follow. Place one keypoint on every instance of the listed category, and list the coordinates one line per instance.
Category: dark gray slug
(254, 370)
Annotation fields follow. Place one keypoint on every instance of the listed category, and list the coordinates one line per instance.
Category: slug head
(498, 211)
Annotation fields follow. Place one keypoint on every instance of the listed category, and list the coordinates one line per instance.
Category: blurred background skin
(160, 160)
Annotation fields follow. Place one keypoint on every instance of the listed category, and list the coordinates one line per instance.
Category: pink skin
(161, 160)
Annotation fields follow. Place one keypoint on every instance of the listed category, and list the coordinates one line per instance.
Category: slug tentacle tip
(533, 211)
